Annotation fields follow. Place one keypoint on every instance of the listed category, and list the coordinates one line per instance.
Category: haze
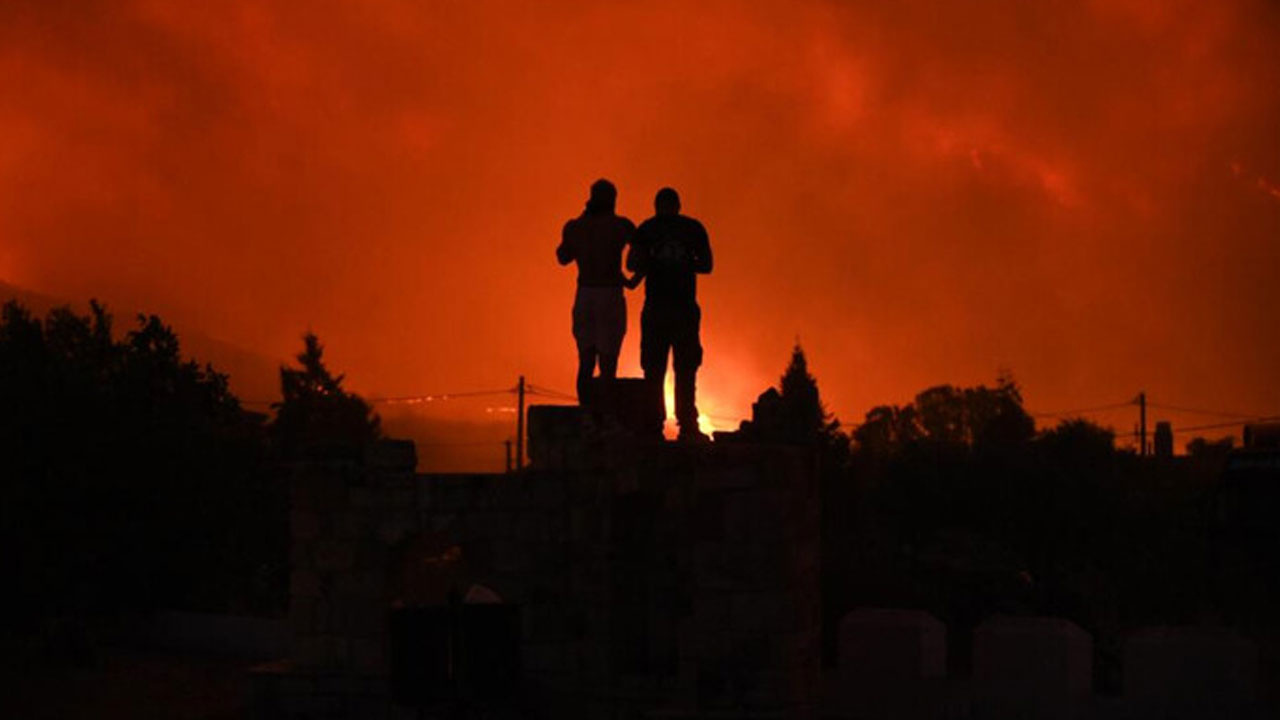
(1086, 195)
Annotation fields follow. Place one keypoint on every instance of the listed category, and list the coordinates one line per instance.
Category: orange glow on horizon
(922, 196)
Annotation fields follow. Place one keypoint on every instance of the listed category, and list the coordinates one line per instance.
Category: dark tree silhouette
(1210, 450)
(317, 418)
(949, 417)
(793, 413)
(132, 478)
(956, 504)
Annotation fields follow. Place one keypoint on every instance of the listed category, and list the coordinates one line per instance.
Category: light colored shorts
(599, 319)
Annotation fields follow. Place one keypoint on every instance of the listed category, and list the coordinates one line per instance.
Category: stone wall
(662, 577)
(649, 577)
(667, 580)
(343, 518)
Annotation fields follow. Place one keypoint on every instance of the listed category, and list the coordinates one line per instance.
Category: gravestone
(1190, 672)
(1031, 667)
(892, 664)
(897, 646)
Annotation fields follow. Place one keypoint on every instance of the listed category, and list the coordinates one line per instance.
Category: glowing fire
(670, 429)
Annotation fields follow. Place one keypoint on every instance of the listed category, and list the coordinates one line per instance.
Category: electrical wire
(1082, 411)
(433, 397)
(1198, 411)
(1220, 426)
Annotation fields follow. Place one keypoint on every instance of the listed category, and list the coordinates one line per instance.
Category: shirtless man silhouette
(595, 240)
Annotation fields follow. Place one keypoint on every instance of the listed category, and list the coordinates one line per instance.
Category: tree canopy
(793, 413)
(317, 417)
(132, 476)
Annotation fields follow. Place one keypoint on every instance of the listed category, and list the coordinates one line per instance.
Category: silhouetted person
(594, 240)
(668, 251)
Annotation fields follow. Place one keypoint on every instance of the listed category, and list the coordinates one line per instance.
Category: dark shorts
(674, 330)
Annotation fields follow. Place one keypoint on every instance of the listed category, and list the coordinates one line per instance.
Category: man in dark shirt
(669, 251)
(594, 240)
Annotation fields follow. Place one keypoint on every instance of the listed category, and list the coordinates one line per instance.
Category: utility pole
(507, 442)
(520, 425)
(1142, 423)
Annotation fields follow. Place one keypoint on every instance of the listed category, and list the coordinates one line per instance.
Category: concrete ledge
(224, 635)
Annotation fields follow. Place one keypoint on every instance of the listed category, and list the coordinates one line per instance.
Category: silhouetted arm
(564, 252)
(635, 253)
(702, 252)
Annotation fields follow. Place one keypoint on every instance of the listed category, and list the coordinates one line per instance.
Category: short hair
(667, 199)
(604, 190)
(603, 197)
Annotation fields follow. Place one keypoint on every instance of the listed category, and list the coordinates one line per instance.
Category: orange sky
(1087, 194)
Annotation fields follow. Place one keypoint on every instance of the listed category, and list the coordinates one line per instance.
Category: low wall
(237, 636)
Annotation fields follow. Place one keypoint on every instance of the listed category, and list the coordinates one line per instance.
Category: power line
(1198, 411)
(438, 396)
(1082, 411)
(1220, 426)
(410, 399)
(549, 392)
(477, 443)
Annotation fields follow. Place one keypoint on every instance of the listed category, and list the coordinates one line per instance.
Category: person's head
(666, 202)
(604, 196)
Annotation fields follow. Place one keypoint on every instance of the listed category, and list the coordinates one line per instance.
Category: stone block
(332, 555)
(304, 525)
(1188, 672)
(297, 684)
(351, 525)
(727, 478)
(324, 617)
(359, 587)
(545, 658)
(754, 515)
(304, 584)
(396, 526)
(368, 653)
(531, 527)
(361, 498)
(321, 490)
(555, 435)
(366, 619)
(302, 616)
(761, 612)
(903, 647)
(1033, 667)
(300, 555)
(320, 651)
(306, 707)
(446, 493)
(711, 610)
(490, 524)
(758, 565)
(545, 490)
(891, 666)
